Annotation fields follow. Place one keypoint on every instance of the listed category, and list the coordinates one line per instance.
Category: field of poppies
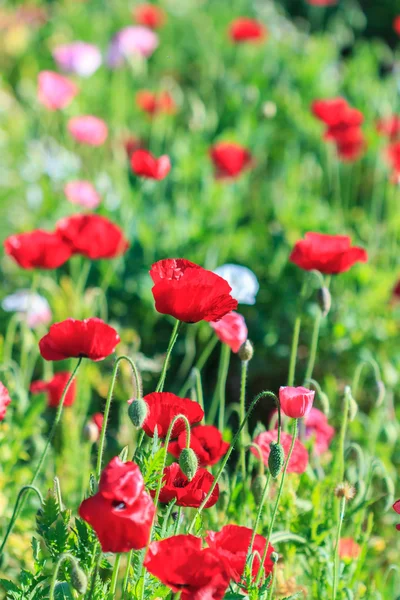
(200, 304)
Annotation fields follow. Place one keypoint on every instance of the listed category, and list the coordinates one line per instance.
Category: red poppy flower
(162, 407)
(88, 130)
(190, 293)
(396, 25)
(231, 330)
(396, 507)
(296, 402)
(244, 29)
(230, 159)
(144, 164)
(91, 338)
(329, 254)
(232, 544)
(348, 548)
(183, 565)
(322, 2)
(393, 155)
(4, 401)
(98, 419)
(155, 103)
(55, 388)
(187, 493)
(329, 111)
(389, 126)
(37, 249)
(206, 442)
(121, 513)
(149, 16)
(299, 459)
(93, 236)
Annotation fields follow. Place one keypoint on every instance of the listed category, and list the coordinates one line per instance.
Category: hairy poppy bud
(246, 351)
(188, 463)
(276, 459)
(353, 406)
(274, 557)
(78, 578)
(137, 412)
(257, 487)
(324, 300)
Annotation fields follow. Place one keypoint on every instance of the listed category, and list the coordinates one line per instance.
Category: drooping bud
(274, 556)
(78, 578)
(276, 459)
(257, 487)
(324, 300)
(188, 463)
(246, 351)
(137, 412)
(353, 406)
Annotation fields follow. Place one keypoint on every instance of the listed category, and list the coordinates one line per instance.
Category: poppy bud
(257, 487)
(137, 412)
(78, 578)
(353, 406)
(188, 463)
(246, 351)
(276, 459)
(324, 300)
(274, 556)
(91, 432)
(381, 392)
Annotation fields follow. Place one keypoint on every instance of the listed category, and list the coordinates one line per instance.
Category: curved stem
(138, 385)
(336, 549)
(271, 525)
(62, 559)
(226, 457)
(16, 510)
(19, 506)
(171, 344)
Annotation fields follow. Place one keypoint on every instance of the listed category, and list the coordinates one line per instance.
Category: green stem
(336, 550)
(219, 396)
(314, 345)
(199, 364)
(126, 578)
(199, 389)
(342, 438)
(19, 506)
(138, 385)
(296, 335)
(62, 559)
(226, 457)
(114, 578)
(271, 525)
(96, 567)
(173, 338)
(241, 418)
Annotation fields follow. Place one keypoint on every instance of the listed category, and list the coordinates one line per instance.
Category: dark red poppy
(329, 254)
(4, 401)
(55, 388)
(396, 292)
(149, 16)
(299, 459)
(91, 338)
(93, 236)
(190, 293)
(153, 104)
(38, 249)
(187, 493)
(231, 330)
(232, 543)
(230, 159)
(244, 29)
(121, 513)
(396, 25)
(162, 407)
(389, 126)
(184, 566)
(396, 507)
(206, 442)
(146, 165)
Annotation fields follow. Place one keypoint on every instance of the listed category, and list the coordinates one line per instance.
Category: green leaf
(294, 596)
(232, 596)
(63, 591)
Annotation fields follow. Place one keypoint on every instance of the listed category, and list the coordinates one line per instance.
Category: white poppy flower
(33, 306)
(242, 280)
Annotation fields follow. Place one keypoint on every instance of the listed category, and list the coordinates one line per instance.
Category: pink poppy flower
(299, 459)
(231, 330)
(79, 58)
(82, 193)
(55, 91)
(131, 41)
(88, 130)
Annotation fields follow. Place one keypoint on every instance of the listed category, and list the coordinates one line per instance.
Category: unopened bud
(91, 432)
(78, 578)
(257, 487)
(353, 406)
(246, 351)
(381, 392)
(188, 463)
(137, 412)
(324, 300)
(276, 459)
(274, 556)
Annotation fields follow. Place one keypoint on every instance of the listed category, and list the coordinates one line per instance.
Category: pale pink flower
(82, 193)
(55, 91)
(78, 57)
(88, 130)
(130, 41)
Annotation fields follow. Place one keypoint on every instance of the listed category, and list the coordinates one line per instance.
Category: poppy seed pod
(257, 487)
(276, 459)
(137, 412)
(188, 463)
(324, 300)
(246, 351)
(78, 578)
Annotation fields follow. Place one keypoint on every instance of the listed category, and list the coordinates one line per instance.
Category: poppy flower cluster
(154, 104)
(55, 388)
(329, 254)
(230, 159)
(122, 512)
(343, 127)
(4, 401)
(205, 441)
(244, 29)
(91, 235)
(145, 164)
(190, 293)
